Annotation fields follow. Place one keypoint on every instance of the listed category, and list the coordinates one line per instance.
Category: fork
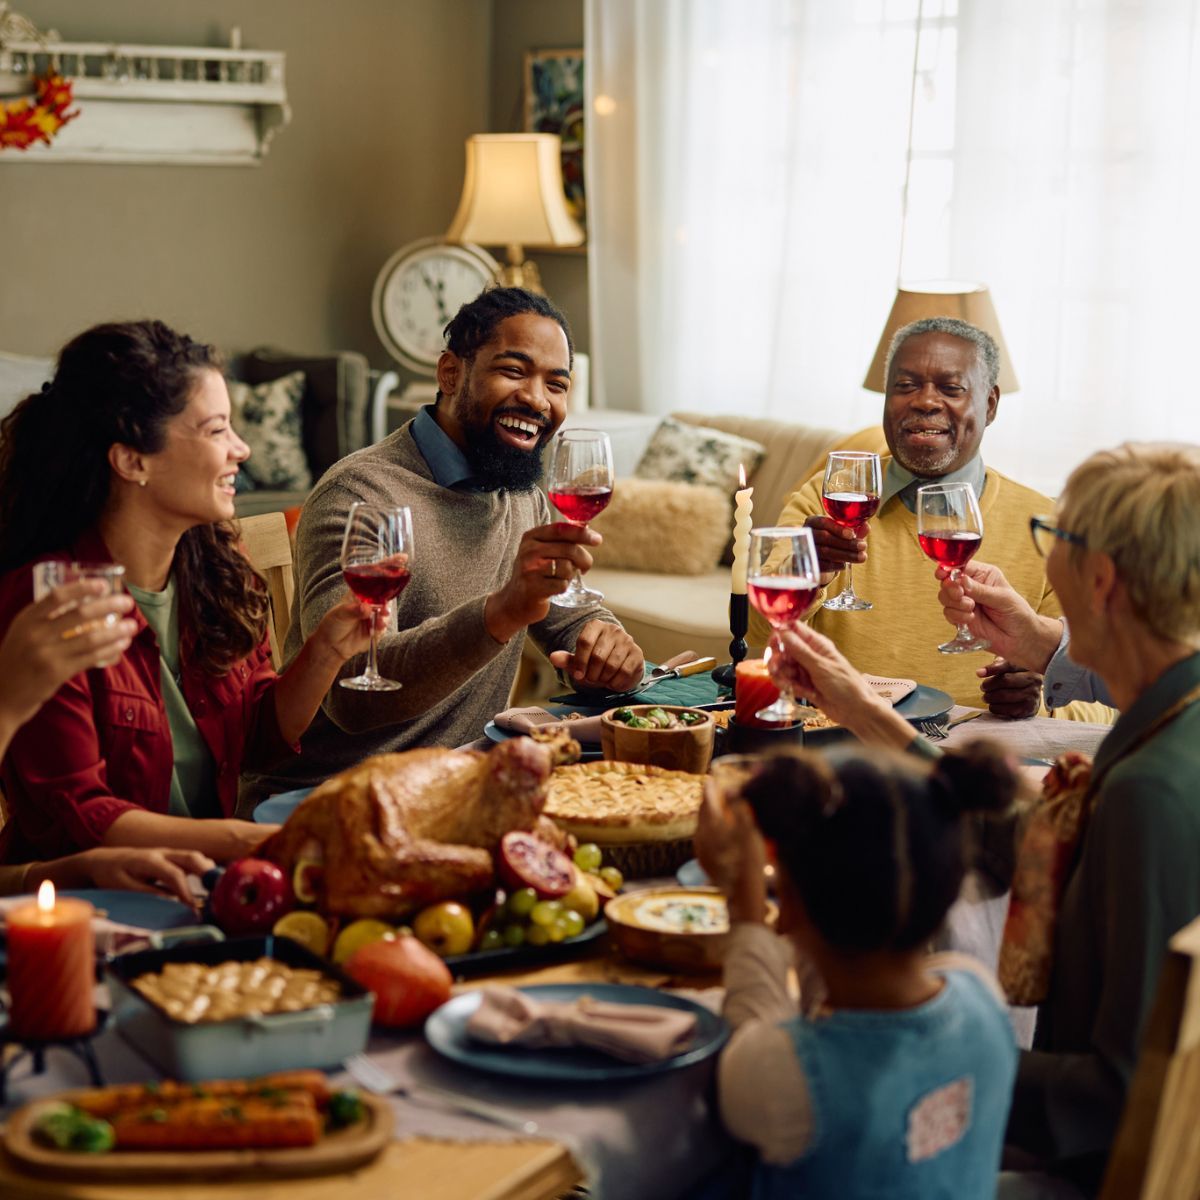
(381, 1082)
(931, 729)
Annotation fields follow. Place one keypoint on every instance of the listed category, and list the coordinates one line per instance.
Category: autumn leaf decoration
(39, 117)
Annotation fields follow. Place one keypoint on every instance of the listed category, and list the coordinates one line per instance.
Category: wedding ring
(554, 568)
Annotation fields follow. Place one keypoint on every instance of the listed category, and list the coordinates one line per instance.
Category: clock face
(418, 291)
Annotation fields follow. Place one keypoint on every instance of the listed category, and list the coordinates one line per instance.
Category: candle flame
(741, 475)
(45, 897)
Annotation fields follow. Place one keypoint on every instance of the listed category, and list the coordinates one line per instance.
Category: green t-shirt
(194, 774)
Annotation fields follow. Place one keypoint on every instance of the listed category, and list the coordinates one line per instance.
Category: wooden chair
(269, 549)
(1156, 1155)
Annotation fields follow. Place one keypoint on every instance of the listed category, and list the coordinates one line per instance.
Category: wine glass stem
(848, 590)
(372, 671)
(962, 634)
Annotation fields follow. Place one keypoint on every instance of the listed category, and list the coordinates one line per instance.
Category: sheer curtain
(745, 176)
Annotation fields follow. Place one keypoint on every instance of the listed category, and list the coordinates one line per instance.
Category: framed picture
(554, 104)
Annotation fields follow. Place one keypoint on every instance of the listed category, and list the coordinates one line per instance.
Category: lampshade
(513, 193)
(970, 302)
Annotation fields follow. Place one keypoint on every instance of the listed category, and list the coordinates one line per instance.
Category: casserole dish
(244, 1046)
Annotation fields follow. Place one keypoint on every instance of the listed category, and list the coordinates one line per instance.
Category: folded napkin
(525, 720)
(631, 1032)
(891, 689)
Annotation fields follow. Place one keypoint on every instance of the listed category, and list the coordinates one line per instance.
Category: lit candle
(755, 690)
(51, 968)
(742, 508)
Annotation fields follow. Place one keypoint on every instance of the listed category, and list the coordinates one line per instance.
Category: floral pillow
(699, 455)
(268, 419)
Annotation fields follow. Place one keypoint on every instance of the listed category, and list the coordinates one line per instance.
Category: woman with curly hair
(128, 456)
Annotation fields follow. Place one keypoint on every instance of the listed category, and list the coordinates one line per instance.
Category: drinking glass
(850, 495)
(950, 529)
(580, 486)
(377, 550)
(54, 573)
(783, 579)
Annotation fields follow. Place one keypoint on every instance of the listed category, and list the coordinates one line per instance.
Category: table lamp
(970, 302)
(513, 197)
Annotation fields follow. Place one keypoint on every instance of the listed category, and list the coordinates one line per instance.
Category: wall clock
(419, 289)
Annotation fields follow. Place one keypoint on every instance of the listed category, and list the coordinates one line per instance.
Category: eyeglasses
(1044, 533)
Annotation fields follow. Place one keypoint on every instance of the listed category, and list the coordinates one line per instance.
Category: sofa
(337, 405)
(668, 612)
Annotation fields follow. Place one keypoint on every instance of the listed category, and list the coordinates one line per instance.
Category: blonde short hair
(1140, 505)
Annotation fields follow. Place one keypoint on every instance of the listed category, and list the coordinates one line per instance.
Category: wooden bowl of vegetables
(658, 735)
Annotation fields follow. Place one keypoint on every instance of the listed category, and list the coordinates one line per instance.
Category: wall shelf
(154, 104)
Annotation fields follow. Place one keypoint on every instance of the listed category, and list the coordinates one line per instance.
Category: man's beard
(499, 467)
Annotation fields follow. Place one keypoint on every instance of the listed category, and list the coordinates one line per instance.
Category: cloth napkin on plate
(891, 689)
(523, 720)
(632, 1032)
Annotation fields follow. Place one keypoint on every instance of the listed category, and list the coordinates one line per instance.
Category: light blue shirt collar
(448, 463)
(897, 478)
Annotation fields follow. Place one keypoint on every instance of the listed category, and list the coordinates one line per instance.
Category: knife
(671, 669)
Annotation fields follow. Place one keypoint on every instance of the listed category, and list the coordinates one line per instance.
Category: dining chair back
(269, 549)
(1156, 1155)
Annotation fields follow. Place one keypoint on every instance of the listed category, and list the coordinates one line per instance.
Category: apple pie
(623, 803)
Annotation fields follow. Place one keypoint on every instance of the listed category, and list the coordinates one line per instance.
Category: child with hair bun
(898, 1084)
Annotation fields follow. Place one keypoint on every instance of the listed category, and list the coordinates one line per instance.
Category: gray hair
(986, 350)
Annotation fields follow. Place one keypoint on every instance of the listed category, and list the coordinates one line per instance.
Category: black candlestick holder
(739, 622)
(35, 1048)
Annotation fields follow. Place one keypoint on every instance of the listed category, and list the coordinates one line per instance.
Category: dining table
(653, 1138)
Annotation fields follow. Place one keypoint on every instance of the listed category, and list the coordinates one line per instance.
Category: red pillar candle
(754, 690)
(51, 968)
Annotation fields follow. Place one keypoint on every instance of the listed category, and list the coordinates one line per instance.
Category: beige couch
(669, 613)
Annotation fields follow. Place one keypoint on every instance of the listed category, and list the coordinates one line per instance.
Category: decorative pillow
(697, 454)
(267, 418)
(658, 525)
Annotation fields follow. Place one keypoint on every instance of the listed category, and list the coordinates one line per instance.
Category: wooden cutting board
(341, 1150)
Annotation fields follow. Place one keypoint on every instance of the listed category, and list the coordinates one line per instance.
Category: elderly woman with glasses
(1123, 555)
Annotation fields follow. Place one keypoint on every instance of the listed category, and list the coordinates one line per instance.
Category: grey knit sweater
(456, 676)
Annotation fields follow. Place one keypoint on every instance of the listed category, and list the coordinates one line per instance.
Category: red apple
(250, 897)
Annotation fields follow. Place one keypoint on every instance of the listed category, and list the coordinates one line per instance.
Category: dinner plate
(141, 909)
(274, 810)
(446, 1032)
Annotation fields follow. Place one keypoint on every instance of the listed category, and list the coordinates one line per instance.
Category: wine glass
(377, 550)
(783, 580)
(580, 486)
(950, 529)
(850, 495)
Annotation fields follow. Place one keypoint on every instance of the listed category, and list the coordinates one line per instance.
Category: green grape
(538, 935)
(572, 922)
(514, 935)
(613, 878)
(558, 931)
(521, 902)
(545, 912)
(588, 857)
(492, 940)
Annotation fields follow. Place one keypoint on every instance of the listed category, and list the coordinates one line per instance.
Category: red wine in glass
(950, 530)
(377, 582)
(952, 550)
(850, 508)
(581, 504)
(850, 496)
(780, 598)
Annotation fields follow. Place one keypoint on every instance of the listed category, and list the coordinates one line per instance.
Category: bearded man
(941, 396)
(486, 556)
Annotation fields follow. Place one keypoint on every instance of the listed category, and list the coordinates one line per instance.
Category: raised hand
(546, 558)
(992, 609)
(838, 547)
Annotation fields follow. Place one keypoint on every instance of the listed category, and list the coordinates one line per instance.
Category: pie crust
(621, 803)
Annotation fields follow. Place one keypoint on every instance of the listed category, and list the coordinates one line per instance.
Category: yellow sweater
(900, 635)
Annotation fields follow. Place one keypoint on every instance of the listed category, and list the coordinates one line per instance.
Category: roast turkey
(401, 831)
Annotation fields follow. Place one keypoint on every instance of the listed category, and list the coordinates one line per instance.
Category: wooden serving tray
(341, 1150)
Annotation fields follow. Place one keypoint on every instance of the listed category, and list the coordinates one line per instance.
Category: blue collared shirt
(448, 463)
(896, 479)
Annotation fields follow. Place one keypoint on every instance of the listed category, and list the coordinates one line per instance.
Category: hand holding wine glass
(376, 563)
(783, 579)
(950, 530)
(580, 486)
(850, 495)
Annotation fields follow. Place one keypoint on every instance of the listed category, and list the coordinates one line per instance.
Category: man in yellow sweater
(941, 396)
